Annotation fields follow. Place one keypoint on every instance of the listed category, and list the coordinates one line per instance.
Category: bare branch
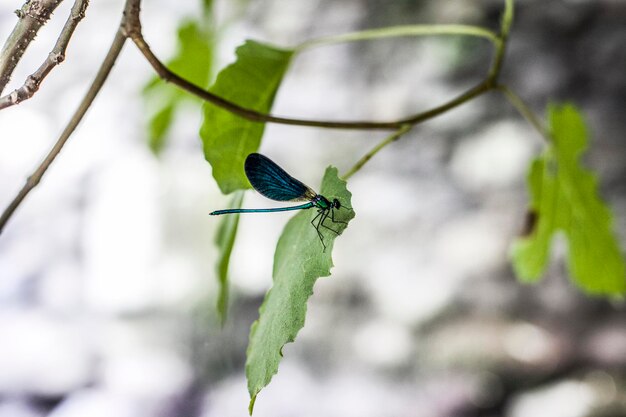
(94, 89)
(55, 57)
(96, 85)
(32, 16)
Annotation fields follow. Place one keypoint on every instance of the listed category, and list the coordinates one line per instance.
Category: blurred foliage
(193, 61)
(251, 82)
(298, 262)
(565, 198)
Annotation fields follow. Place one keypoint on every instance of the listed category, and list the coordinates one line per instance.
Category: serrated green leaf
(564, 197)
(298, 262)
(252, 82)
(225, 240)
(192, 61)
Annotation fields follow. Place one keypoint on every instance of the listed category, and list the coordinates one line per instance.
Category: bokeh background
(107, 275)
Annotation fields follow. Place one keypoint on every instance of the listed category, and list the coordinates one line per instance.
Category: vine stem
(388, 140)
(490, 82)
(134, 32)
(524, 110)
(407, 30)
(94, 89)
(505, 28)
(252, 115)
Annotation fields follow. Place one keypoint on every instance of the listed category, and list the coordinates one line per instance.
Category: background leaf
(252, 82)
(225, 240)
(565, 198)
(160, 123)
(192, 61)
(298, 262)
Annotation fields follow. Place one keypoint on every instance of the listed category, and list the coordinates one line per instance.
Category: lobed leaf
(252, 82)
(564, 197)
(299, 261)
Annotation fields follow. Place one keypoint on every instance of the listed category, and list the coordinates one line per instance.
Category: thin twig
(524, 110)
(505, 28)
(133, 30)
(55, 57)
(404, 31)
(390, 139)
(490, 83)
(166, 75)
(32, 16)
(96, 85)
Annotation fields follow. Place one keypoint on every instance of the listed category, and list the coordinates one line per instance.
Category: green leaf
(225, 240)
(298, 262)
(564, 197)
(252, 82)
(195, 54)
(193, 61)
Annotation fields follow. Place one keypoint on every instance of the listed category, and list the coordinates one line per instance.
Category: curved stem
(390, 139)
(505, 28)
(252, 115)
(132, 28)
(164, 73)
(489, 83)
(473, 92)
(397, 31)
(96, 85)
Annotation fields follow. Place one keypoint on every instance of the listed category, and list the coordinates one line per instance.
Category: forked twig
(32, 16)
(55, 57)
(94, 89)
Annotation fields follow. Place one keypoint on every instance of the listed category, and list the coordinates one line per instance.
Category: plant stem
(389, 139)
(397, 31)
(524, 110)
(489, 83)
(252, 115)
(505, 28)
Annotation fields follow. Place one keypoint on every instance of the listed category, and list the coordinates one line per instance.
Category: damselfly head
(336, 204)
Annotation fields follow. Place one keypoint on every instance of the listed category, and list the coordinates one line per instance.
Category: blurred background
(107, 271)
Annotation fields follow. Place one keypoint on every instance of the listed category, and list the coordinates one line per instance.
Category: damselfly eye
(336, 203)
